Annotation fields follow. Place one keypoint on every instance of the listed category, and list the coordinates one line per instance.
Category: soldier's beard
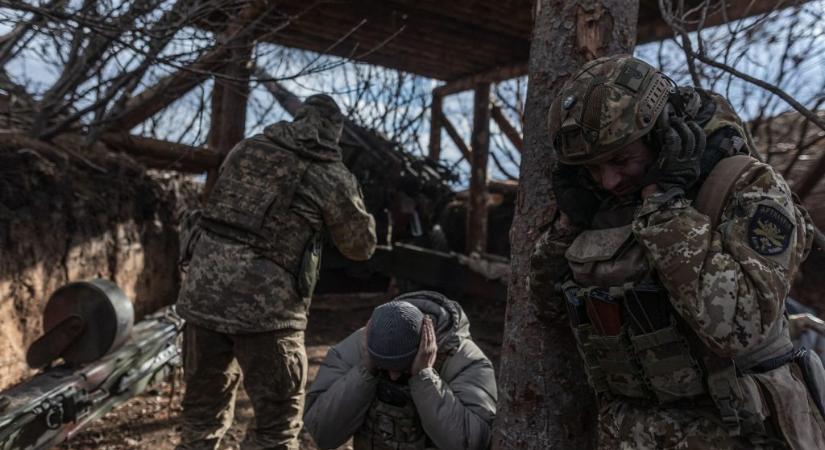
(632, 186)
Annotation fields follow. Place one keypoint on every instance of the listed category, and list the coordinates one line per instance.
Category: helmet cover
(609, 103)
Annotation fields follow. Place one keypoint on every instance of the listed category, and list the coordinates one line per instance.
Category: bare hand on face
(427, 348)
(366, 359)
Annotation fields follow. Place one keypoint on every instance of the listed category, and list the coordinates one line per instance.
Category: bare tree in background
(770, 67)
(93, 67)
(99, 55)
(764, 66)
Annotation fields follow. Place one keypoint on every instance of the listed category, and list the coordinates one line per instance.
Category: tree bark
(544, 400)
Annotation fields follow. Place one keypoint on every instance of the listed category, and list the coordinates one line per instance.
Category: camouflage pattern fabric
(244, 281)
(548, 265)
(729, 285)
(625, 426)
(750, 258)
(231, 288)
(273, 368)
(609, 103)
(247, 292)
(699, 266)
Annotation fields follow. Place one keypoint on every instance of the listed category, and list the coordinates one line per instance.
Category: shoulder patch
(769, 230)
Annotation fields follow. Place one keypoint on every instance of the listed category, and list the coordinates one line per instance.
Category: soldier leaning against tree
(674, 257)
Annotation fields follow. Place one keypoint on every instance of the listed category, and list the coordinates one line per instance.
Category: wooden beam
(230, 96)
(494, 75)
(435, 128)
(213, 139)
(404, 37)
(289, 101)
(244, 28)
(235, 99)
(159, 154)
(507, 128)
(453, 133)
(480, 142)
(170, 88)
(153, 153)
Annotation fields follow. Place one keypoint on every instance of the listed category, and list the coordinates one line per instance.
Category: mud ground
(151, 421)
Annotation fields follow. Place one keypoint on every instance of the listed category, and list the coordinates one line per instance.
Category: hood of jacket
(450, 321)
(309, 135)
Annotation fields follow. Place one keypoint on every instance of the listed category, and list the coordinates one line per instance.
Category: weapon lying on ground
(106, 361)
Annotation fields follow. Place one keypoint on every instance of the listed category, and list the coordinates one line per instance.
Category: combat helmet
(607, 104)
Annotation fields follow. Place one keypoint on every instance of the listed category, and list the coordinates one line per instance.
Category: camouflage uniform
(252, 273)
(669, 312)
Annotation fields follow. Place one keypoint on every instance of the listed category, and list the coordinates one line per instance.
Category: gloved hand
(573, 199)
(681, 145)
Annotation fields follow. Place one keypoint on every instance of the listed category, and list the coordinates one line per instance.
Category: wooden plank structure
(469, 40)
(468, 44)
(480, 143)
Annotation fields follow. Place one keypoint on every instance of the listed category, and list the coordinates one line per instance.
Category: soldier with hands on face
(252, 271)
(674, 262)
(412, 379)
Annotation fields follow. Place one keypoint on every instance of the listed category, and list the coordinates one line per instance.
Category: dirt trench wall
(65, 218)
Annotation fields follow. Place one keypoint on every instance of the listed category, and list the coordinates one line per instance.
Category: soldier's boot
(212, 378)
(275, 371)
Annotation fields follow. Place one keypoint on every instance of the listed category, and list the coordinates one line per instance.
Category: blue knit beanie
(394, 335)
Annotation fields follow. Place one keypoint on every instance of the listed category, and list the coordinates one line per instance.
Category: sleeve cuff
(673, 198)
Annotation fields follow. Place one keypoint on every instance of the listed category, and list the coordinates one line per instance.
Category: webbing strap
(656, 339)
(716, 189)
(668, 366)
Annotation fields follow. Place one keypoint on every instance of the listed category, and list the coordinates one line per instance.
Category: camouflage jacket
(729, 284)
(235, 285)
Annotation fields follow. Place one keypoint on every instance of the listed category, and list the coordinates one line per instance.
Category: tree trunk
(544, 400)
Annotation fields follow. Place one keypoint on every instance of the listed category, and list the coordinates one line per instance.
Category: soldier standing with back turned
(674, 257)
(253, 270)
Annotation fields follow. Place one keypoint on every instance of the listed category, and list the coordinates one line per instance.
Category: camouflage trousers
(623, 425)
(273, 367)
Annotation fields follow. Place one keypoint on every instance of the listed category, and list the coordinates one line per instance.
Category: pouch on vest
(392, 422)
(671, 371)
(310, 266)
(255, 178)
(614, 356)
(604, 311)
(606, 257)
(662, 350)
